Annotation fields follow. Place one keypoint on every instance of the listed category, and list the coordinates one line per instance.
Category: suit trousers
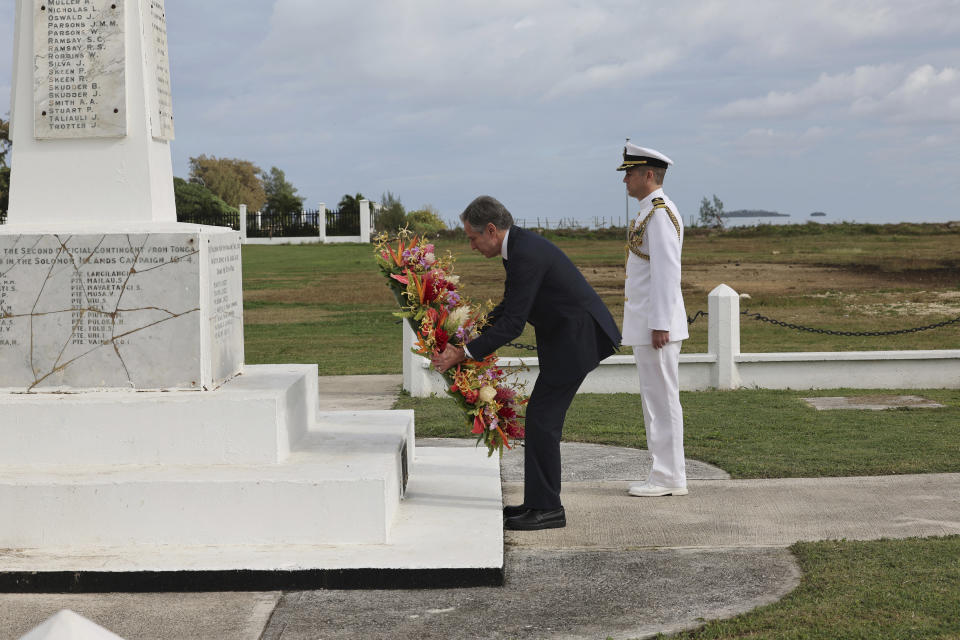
(546, 412)
(662, 413)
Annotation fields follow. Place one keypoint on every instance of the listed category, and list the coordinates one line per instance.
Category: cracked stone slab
(590, 462)
(141, 311)
(554, 594)
(871, 402)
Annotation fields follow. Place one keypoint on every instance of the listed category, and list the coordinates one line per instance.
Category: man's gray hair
(484, 210)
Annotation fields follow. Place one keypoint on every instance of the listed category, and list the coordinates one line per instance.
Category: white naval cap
(634, 156)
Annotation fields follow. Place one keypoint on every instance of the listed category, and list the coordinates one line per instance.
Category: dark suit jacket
(574, 329)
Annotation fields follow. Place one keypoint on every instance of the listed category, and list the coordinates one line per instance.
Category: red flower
(505, 394)
(514, 430)
(454, 388)
(507, 413)
(478, 426)
(400, 279)
(442, 338)
(430, 282)
(471, 396)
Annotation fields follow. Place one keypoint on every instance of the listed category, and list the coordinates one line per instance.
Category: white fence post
(322, 222)
(243, 223)
(723, 338)
(365, 221)
(408, 363)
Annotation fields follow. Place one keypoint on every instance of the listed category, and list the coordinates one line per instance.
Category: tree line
(221, 185)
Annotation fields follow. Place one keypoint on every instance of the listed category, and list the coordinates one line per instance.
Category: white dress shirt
(503, 254)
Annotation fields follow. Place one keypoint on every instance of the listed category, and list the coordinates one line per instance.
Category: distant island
(754, 213)
(817, 214)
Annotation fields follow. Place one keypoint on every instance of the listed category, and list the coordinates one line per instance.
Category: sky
(849, 107)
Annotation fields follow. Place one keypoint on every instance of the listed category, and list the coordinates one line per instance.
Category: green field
(758, 433)
(327, 303)
(887, 589)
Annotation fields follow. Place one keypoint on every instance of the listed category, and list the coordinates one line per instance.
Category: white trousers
(662, 413)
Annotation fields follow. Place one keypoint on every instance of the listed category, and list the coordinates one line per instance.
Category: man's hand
(659, 339)
(450, 357)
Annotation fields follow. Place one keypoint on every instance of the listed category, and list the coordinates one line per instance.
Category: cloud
(767, 142)
(465, 51)
(765, 33)
(844, 88)
(618, 74)
(890, 92)
(926, 95)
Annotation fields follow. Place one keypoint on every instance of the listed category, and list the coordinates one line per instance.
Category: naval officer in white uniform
(654, 318)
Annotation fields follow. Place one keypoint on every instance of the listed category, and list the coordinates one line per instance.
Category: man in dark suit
(574, 330)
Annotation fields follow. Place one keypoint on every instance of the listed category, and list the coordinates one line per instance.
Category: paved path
(347, 393)
(623, 567)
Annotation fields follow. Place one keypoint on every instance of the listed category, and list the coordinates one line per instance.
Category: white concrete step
(254, 418)
(233, 466)
(448, 531)
(311, 498)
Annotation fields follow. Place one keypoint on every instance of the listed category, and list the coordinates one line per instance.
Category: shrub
(425, 221)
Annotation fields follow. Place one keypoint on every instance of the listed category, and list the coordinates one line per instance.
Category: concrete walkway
(623, 567)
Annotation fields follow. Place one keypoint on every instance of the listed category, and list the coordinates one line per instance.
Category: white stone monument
(100, 288)
(136, 450)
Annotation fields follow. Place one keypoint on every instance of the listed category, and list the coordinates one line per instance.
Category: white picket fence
(366, 229)
(725, 367)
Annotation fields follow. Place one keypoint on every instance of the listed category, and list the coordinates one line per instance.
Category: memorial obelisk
(100, 288)
(137, 452)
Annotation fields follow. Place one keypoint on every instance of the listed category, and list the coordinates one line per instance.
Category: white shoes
(647, 490)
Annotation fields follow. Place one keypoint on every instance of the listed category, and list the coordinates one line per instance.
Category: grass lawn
(760, 433)
(327, 303)
(879, 589)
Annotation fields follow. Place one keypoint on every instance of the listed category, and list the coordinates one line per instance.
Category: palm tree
(350, 204)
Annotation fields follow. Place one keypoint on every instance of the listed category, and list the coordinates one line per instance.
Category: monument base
(272, 494)
(137, 306)
(447, 532)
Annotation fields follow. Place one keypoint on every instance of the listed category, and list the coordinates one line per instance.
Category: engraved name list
(79, 77)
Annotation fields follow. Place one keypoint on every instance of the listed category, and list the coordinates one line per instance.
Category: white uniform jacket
(653, 298)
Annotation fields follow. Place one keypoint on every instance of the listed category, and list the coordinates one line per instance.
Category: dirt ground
(766, 278)
(856, 291)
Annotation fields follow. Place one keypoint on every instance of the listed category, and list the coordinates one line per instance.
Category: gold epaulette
(637, 231)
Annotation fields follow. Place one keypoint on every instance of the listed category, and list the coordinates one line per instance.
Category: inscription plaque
(119, 311)
(79, 72)
(225, 315)
(158, 71)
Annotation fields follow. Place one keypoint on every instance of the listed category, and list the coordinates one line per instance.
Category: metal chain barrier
(830, 332)
(528, 347)
(797, 327)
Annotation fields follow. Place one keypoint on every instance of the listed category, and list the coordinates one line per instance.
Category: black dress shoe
(513, 510)
(535, 519)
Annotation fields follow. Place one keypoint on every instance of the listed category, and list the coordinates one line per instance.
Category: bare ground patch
(763, 278)
(286, 315)
(345, 289)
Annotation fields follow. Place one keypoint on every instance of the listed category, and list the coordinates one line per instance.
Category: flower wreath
(426, 290)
